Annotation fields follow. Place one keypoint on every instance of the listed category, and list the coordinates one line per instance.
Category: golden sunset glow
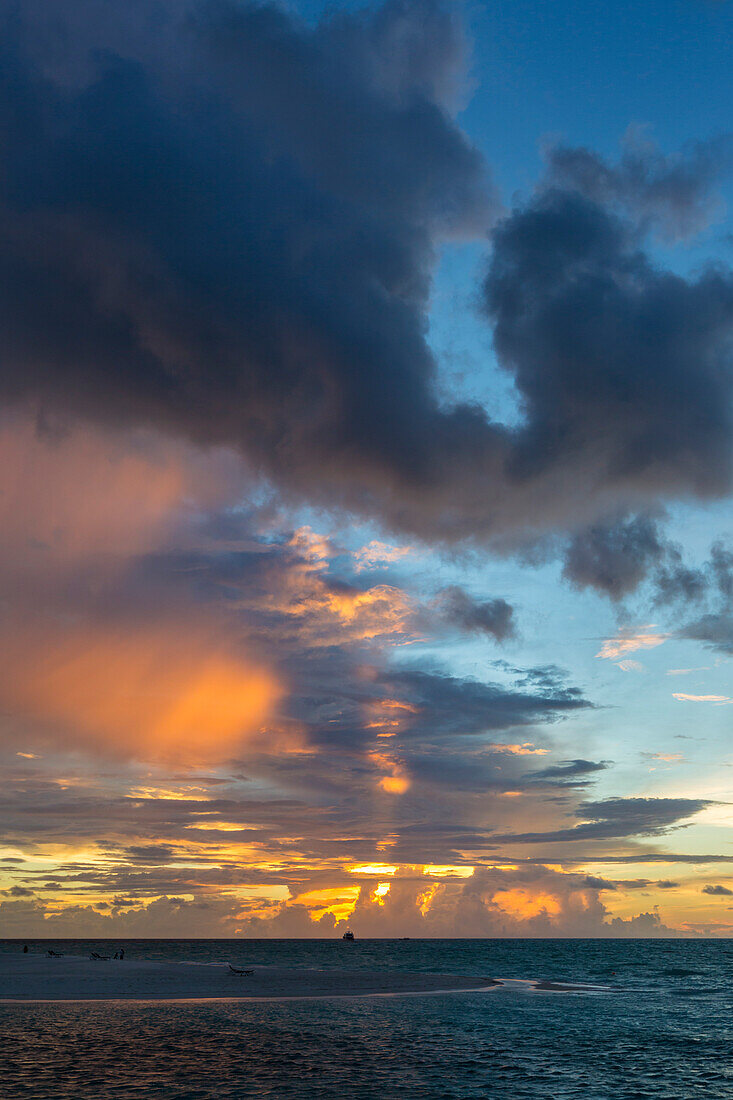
(377, 611)
(394, 784)
(522, 905)
(339, 903)
(373, 869)
(424, 900)
(441, 870)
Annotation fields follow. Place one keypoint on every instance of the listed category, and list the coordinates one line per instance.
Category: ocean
(659, 1024)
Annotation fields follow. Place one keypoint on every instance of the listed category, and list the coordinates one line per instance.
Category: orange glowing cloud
(377, 611)
(340, 902)
(394, 784)
(522, 904)
(313, 548)
(441, 870)
(173, 692)
(525, 749)
(388, 716)
(424, 900)
(381, 892)
(373, 869)
(325, 614)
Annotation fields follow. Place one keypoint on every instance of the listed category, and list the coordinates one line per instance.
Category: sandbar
(35, 977)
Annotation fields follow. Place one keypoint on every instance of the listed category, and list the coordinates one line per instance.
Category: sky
(366, 468)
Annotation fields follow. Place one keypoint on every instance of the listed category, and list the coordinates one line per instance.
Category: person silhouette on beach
(25, 948)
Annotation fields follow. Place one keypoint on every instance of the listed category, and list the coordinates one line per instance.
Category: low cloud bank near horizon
(490, 903)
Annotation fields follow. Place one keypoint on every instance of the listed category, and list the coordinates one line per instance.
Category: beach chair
(238, 972)
(99, 958)
(54, 954)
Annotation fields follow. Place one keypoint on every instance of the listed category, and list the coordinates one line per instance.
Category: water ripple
(649, 1042)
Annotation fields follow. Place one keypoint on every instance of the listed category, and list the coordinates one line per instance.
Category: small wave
(546, 985)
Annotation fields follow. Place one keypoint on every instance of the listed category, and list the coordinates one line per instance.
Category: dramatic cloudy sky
(366, 468)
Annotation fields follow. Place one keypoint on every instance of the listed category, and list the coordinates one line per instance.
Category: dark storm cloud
(707, 589)
(714, 630)
(613, 557)
(721, 567)
(644, 816)
(149, 854)
(672, 192)
(623, 368)
(446, 736)
(614, 818)
(570, 772)
(447, 705)
(493, 771)
(233, 240)
(494, 617)
(221, 222)
(617, 556)
(596, 883)
(677, 582)
(545, 678)
(718, 891)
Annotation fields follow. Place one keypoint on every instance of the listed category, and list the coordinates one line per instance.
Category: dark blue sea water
(662, 1027)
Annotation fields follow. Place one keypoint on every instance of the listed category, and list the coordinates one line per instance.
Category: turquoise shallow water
(663, 1027)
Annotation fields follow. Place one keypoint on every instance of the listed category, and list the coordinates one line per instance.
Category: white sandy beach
(35, 977)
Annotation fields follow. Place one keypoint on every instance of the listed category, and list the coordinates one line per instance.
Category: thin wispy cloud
(629, 641)
(665, 757)
(717, 699)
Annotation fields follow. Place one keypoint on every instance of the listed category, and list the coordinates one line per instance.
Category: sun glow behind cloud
(171, 693)
(373, 869)
(522, 904)
(442, 870)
